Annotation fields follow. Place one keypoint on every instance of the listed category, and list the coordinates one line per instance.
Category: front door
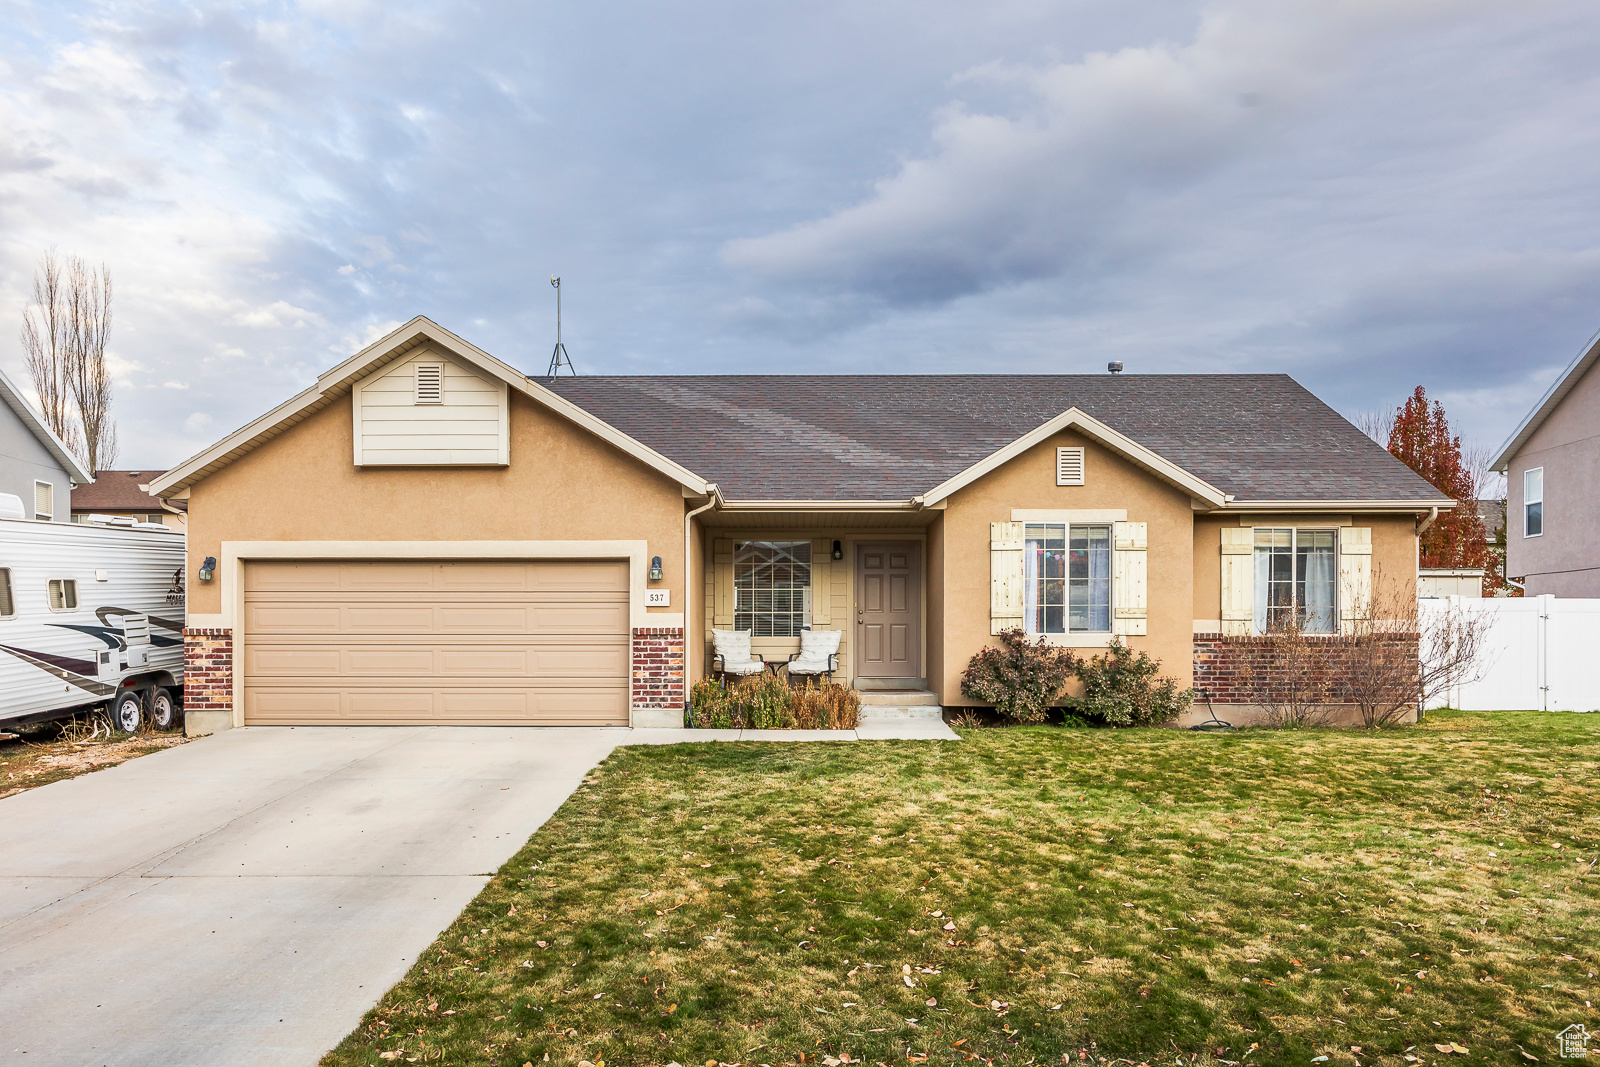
(888, 611)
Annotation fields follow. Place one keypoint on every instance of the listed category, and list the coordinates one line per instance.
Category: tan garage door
(419, 642)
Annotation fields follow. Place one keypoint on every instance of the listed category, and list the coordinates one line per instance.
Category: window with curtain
(1297, 575)
(772, 587)
(1067, 578)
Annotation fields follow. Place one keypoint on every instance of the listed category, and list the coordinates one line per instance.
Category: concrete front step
(898, 697)
(890, 713)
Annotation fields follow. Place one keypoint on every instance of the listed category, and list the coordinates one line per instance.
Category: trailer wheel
(164, 711)
(127, 711)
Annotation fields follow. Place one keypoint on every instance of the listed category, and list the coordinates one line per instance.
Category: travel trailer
(91, 614)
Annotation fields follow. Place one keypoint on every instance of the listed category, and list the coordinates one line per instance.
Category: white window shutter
(1005, 576)
(1238, 580)
(429, 383)
(1069, 466)
(1129, 578)
(1355, 576)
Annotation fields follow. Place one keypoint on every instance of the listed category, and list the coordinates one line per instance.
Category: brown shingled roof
(113, 491)
(892, 437)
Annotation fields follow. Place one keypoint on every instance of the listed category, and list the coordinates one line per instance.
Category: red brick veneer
(658, 667)
(208, 670)
(1231, 668)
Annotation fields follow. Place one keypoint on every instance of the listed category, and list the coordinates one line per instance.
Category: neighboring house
(426, 535)
(124, 494)
(1552, 469)
(35, 464)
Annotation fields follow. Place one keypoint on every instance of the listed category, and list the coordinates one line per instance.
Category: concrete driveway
(242, 899)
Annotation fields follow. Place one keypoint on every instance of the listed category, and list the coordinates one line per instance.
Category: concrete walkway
(245, 897)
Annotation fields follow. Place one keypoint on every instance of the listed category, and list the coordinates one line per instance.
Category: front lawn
(1025, 894)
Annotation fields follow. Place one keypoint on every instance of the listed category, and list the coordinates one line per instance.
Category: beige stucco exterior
(562, 484)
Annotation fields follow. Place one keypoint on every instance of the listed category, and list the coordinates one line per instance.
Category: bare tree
(47, 345)
(1376, 424)
(64, 332)
(1291, 682)
(89, 316)
(1401, 657)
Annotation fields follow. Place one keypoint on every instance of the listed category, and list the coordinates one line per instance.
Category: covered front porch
(776, 571)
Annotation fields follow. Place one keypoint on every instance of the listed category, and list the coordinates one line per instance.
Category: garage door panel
(417, 642)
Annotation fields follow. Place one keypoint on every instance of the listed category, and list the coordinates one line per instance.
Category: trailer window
(63, 594)
(8, 607)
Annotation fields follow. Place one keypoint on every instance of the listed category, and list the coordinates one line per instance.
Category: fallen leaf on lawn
(671, 1008)
(1459, 1050)
(908, 980)
(542, 944)
(396, 1054)
(950, 926)
(933, 1001)
(512, 912)
(434, 1006)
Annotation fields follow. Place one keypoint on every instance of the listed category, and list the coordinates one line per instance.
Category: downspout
(1433, 517)
(688, 594)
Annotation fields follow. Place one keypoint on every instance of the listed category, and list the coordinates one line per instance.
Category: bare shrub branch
(1293, 688)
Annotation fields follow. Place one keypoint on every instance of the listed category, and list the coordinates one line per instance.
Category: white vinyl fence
(1541, 654)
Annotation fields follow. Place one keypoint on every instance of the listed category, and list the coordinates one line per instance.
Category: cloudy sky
(1366, 194)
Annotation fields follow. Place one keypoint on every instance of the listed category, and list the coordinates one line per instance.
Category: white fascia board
(1442, 504)
(352, 369)
(1095, 430)
(246, 434)
(46, 436)
(1547, 403)
(820, 505)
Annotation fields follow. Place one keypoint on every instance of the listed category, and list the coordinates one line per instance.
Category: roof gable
(1548, 403)
(13, 399)
(337, 383)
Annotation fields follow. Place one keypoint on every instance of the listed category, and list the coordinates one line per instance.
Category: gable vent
(430, 383)
(1069, 466)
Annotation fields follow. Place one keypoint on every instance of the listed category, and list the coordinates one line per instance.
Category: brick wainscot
(1233, 671)
(657, 688)
(207, 681)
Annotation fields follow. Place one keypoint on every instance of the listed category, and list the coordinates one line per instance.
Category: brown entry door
(888, 610)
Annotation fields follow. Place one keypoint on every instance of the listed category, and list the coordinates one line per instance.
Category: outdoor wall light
(655, 568)
(208, 569)
(838, 550)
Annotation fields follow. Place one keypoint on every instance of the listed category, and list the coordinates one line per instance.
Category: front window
(772, 587)
(1533, 502)
(1297, 577)
(1067, 579)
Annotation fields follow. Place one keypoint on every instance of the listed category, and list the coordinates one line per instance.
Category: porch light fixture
(838, 550)
(655, 568)
(208, 569)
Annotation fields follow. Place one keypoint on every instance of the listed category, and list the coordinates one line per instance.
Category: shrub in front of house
(1124, 688)
(764, 702)
(1023, 679)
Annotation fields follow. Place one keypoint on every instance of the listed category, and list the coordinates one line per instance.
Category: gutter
(714, 496)
(1433, 517)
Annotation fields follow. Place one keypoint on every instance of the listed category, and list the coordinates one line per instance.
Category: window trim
(65, 582)
(1028, 619)
(1526, 502)
(9, 593)
(1294, 548)
(50, 515)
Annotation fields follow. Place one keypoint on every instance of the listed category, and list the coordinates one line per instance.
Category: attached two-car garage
(436, 642)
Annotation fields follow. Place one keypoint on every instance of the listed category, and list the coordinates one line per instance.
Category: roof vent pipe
(1115, 366)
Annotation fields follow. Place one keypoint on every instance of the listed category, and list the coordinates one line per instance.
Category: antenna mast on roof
(559, 357)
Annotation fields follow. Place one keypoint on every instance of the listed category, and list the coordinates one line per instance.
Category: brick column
(657, 690)
(207, 680)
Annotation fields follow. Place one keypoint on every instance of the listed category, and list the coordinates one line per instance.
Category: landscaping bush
(1021, 678)
(763, 702)
(1121, 688)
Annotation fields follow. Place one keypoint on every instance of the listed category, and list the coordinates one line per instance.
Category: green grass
(1261, 897)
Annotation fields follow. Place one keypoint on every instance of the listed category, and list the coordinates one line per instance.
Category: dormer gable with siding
(430, 410)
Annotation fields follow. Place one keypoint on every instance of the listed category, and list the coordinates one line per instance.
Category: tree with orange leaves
(1420, 438)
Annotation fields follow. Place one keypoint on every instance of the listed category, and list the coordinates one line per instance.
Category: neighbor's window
(1533, 502)
(772, 587)
(8, 606)
(63, 594)
(44, 500)
(1066, 579)
(1297, 576)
